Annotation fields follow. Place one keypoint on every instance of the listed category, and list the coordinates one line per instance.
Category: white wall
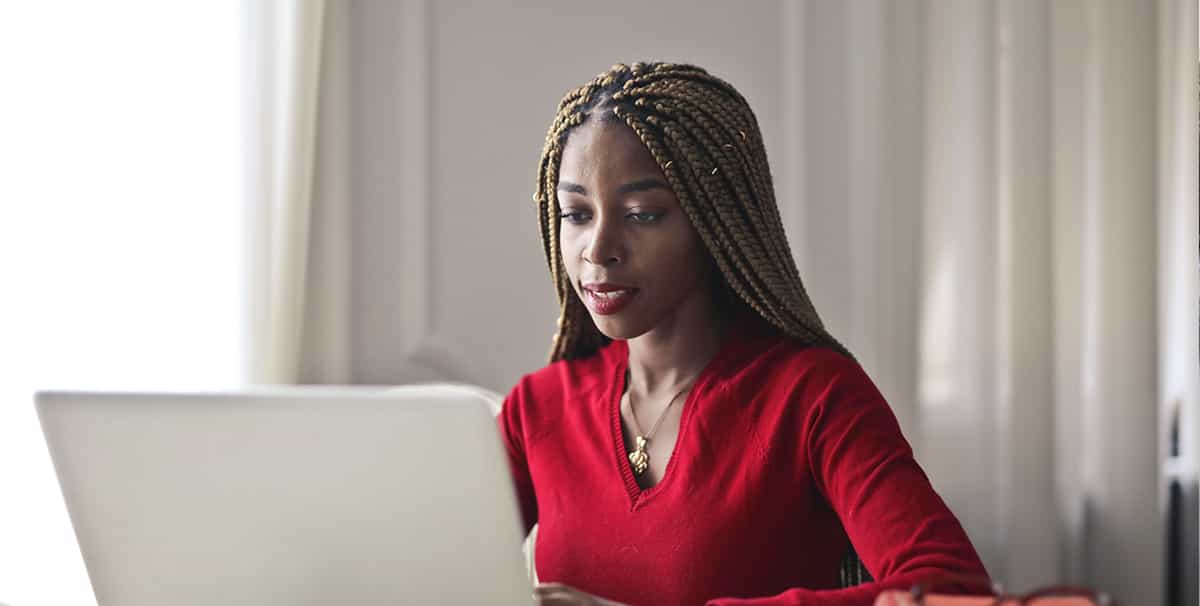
(448, 133)
(450, 106)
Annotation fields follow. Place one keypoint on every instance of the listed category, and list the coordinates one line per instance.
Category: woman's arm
(512, 435)
(861, 463)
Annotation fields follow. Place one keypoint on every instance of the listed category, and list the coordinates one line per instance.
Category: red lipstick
(606, 298)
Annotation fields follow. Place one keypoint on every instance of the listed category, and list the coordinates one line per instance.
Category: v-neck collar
(741, 330)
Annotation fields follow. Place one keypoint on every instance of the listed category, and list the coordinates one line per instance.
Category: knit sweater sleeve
(861, 463)
(513, 437)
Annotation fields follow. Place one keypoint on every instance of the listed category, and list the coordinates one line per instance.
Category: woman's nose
(606, 245)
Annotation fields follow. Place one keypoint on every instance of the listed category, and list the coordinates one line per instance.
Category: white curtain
(296, 283)
(1178, 282)
(999, 218)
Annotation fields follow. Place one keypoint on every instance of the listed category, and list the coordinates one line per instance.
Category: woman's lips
(608, 300)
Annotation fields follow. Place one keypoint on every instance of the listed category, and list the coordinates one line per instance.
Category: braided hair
(705, 139)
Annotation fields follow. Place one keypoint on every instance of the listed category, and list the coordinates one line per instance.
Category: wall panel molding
(393, 112)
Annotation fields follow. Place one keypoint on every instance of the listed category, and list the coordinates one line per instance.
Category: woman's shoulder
(538, 403)
(757, 343)
(784, 367)
(564, 379)
(817, 358)
(772, 350)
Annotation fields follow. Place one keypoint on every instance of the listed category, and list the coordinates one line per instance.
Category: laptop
(288, 496)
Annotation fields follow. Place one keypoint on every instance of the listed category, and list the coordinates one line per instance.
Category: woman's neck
(673, 353)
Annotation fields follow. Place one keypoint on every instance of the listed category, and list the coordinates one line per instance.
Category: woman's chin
(617, 327)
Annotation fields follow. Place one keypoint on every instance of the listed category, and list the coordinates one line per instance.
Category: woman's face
(632, 256)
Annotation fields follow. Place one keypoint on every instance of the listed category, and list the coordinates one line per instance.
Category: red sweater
(786, 454)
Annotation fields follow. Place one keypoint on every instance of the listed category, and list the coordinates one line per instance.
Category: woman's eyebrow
(628, 188)
(573, 188)
(643, 185)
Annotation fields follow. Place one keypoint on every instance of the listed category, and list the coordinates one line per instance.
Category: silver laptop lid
(289, 496)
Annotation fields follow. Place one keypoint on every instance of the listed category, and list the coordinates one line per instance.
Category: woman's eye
(644, 217)
(573, 216)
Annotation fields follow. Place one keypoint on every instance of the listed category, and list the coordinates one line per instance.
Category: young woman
(698, 437)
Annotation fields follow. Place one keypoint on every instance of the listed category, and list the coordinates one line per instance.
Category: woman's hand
(557, 594)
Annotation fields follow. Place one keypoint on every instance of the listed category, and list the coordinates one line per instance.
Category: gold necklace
(638, 459)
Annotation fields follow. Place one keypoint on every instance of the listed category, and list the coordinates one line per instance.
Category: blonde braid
(706, 140)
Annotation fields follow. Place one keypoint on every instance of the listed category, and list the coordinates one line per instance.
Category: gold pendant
(638, 458)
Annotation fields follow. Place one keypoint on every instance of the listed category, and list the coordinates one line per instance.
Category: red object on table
(902, 598)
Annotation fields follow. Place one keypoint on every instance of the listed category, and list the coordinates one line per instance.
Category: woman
(698, 436)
